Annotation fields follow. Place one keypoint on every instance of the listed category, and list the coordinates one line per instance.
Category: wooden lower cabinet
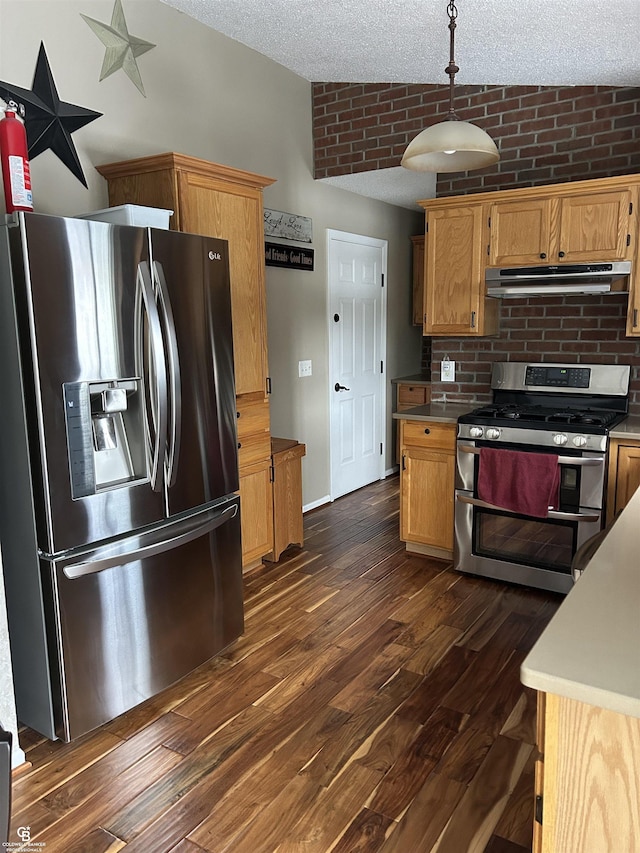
(409, 395)
(588, 797)
(256, 512)
(623, 475)
(427, 482)
(287, 494)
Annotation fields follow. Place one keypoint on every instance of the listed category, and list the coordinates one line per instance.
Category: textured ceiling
(527, 42)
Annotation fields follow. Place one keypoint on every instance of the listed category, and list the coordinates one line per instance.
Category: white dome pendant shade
(451, 145)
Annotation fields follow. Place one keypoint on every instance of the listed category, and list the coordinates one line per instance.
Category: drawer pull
(239, 445)
(427, 431)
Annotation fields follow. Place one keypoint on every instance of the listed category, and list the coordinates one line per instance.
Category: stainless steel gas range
(564, 412)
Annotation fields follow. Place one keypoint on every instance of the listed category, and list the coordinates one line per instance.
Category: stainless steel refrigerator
(119, 525)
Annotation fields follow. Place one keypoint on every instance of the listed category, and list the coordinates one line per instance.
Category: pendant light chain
(451, 145)
(452, 69)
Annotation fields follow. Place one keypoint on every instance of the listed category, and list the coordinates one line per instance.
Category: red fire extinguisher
(16, 175)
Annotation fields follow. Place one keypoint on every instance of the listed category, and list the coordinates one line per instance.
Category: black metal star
(49, 122)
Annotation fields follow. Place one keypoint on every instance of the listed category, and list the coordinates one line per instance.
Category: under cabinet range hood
(561, 279)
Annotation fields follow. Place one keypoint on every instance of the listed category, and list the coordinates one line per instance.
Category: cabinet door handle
(561, 254)
(473, 319)
(635, 318)
(543, 255)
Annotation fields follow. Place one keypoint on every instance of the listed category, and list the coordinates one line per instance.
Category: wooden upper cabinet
(565, 227)
(217, 201)
(633, 314)
(455, 253)
(520, 232)
(235, 213)
(595, 227)
(418, 278)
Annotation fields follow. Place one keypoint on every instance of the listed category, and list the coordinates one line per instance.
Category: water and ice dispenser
(105, 434)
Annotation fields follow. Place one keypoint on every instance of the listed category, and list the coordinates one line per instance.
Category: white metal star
(122, 49)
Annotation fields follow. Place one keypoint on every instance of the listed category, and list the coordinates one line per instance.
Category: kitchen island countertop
(590, 650)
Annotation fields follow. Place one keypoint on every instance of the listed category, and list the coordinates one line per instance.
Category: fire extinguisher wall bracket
(16, 174)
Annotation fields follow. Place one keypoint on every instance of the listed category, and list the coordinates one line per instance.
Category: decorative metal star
(122, 49)
(49, 122)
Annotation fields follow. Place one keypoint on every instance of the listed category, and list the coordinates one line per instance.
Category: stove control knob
(580, 440)
(560, 438)
(492, 432)
(476, 432)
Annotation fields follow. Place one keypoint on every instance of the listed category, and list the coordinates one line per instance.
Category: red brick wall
(545, 135)
(572, 329)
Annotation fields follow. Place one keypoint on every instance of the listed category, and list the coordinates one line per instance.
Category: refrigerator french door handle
(159, 370)
(175, 417)
(201, 528)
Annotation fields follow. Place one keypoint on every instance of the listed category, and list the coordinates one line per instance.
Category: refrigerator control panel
(77, 412)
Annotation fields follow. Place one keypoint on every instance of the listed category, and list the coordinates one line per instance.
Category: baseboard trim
(21, 768)
(429, 551)
(315, 504)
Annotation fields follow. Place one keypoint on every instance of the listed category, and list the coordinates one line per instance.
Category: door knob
(339, 387)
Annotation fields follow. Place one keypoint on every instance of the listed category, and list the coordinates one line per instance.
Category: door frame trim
(375, 242)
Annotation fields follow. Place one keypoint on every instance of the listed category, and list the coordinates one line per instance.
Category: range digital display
(558, 377)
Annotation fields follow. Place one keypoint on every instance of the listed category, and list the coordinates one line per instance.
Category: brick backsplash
(545, 134)
(571, 329)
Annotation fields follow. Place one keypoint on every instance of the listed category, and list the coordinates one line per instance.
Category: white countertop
(590, 650)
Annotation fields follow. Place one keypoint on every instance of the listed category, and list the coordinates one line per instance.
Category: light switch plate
(447, 371)
(304, 368)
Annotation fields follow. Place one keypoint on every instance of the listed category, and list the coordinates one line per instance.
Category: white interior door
(357, 319)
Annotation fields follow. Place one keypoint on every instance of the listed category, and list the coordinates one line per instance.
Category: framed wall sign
(288, 226)
(292, 257)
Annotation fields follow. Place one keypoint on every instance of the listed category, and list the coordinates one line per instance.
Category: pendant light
(451, 145)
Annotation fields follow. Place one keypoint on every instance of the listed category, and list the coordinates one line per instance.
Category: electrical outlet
(447, 371)
(304, 368)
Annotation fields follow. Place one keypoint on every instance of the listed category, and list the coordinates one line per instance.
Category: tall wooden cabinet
(223, 202)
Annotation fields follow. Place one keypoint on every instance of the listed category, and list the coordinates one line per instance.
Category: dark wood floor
(373, 704)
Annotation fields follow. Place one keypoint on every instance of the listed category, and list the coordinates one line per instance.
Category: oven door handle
(553, 513)
(562, 460)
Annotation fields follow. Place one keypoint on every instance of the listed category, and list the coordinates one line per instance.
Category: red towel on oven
(527, 483)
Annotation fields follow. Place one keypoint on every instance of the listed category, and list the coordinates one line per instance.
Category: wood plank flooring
(373, 705)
